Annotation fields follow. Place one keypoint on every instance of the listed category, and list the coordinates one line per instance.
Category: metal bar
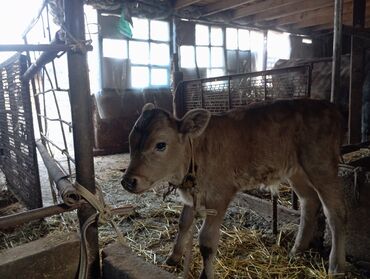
(309, 80)
(56, 119)
(66, 189)
(82, 125)
(35, 47)
(59, 115)
(35, 19)
(356, 73)
(34, 91)
(274, 215)
(35, 214)
(253, 74)
(44, 58)
(51, 90)
(337, 52)
(229, 92)
(47, 140)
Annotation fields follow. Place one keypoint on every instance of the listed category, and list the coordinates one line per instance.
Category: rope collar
(189, 183)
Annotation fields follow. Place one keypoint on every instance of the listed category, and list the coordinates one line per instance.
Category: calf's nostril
(134, 182)
(128, 183)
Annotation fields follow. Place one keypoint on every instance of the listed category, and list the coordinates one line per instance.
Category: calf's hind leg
(310, 205)
(332, 198)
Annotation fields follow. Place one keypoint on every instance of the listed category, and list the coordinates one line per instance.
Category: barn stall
(250, 245)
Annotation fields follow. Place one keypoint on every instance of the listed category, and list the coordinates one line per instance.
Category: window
(208, 51)
(148, 52)
(238, 50)
(278, 47)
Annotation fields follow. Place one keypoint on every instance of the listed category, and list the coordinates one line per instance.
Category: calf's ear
(147, 106)
(195, 122)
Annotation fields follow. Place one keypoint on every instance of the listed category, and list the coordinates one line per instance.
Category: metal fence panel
(234, 91)
(18, 158)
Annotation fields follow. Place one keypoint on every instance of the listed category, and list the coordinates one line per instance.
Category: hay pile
(252, 252)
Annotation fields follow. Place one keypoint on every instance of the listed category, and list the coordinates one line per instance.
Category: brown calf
(261, 145)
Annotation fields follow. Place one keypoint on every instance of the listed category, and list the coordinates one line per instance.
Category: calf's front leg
(208, 242)
(185, 222)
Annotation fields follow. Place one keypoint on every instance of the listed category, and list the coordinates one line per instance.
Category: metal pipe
(274, 215)
(82, 124)
(33, 47)
(18, 219)
(44, 58)
(66, 189)
(337, 51)
(49, 141)
(35, 214)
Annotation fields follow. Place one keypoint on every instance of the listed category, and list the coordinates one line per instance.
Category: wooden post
(82, 124)
(356, 72)
(337, 51)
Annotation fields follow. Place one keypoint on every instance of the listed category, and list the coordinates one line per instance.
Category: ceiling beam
(322, 20)
(329, 11)
(261, 6)
(221, 6)
(291, 9)
(184, 3)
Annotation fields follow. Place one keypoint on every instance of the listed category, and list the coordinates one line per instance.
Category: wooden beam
(311, 15)
(261, 6)
(221, 6)
(323, 20)
(185, 3)
(291, 9)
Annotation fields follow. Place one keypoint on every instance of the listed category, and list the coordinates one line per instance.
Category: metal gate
(227, 92)
(18, 158)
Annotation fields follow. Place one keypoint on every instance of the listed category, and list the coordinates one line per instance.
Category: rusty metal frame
(18, 153)
(79, 94)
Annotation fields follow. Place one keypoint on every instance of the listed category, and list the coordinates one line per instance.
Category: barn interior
(76, 82)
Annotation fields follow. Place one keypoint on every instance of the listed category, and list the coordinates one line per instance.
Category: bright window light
(306, 41)
(215, 72)
(140, 28)
(217, 56)
(216, 36)
(202, 57)
(139, 52)
(159, 54)
(115, 48)
(201, 34)
(139, 76)
(231, 38)
(187, 57)
(159, 30)
(243, 39)
(159, 77)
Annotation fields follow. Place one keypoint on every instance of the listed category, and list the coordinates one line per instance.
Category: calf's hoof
(173, 261)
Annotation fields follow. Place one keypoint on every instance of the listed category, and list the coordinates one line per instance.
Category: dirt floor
(248, 249)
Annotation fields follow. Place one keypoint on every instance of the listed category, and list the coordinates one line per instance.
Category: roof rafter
(184, 3)
(221, 6)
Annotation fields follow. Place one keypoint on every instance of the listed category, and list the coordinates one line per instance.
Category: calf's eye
(161, 146)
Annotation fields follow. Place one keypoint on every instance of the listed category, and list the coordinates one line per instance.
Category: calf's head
(160, 148)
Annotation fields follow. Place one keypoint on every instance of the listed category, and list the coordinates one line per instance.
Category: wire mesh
(17, 145)
(235, 91)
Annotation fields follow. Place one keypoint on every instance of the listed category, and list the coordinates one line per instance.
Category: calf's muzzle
(129, 183)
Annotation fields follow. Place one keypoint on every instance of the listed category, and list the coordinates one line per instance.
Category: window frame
(150, 41)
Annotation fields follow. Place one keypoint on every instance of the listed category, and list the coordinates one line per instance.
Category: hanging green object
(124, 26)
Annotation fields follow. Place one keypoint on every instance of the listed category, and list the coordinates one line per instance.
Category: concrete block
(120, 262)
(55, 256)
